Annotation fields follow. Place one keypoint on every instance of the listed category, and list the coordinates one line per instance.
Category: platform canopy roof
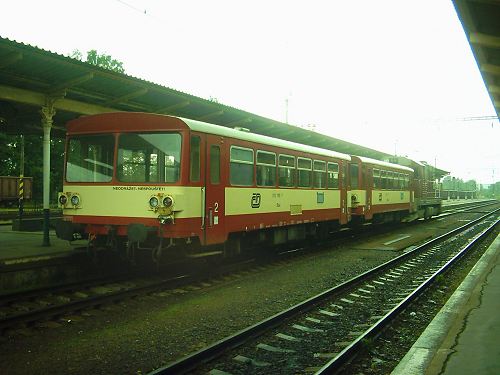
(481, 22)
(29, 76)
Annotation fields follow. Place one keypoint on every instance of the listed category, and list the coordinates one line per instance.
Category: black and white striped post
(21, 181)
(21, 196)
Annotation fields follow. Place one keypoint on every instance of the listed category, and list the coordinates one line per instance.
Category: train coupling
(166, 219)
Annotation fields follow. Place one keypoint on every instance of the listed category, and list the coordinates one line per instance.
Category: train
(171, 186)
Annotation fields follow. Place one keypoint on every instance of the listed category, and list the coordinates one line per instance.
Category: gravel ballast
(139, 335)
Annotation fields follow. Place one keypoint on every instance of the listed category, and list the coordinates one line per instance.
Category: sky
(397, 76)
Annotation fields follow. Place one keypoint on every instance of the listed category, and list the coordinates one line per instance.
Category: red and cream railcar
(378, 190)
(155, 181)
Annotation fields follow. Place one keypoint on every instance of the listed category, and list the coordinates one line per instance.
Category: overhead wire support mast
(478, 118)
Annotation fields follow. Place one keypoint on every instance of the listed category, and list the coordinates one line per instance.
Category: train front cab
(129, 185)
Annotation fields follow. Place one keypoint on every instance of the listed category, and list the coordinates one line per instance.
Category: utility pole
(286, 110)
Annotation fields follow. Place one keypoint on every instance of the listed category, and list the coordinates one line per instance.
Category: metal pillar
(47, 113)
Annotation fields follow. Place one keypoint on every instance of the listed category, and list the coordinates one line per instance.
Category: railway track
(21, 309)
(9, 215)
(45, 304)
(323, 333)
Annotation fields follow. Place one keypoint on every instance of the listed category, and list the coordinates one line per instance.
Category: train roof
(258, 138)
(384, 163)
(128, 121)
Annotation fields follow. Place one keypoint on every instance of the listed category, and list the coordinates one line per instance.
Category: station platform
(23, 247)
(464, 338)
(458, 202)
(25, 264)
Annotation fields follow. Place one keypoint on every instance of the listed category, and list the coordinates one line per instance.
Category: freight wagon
(9, 189)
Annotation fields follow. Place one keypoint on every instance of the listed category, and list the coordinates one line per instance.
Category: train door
(214, 215)
(368, 183)
(343, 184)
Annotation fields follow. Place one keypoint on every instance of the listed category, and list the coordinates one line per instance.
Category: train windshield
(90, 158)
(149, 157)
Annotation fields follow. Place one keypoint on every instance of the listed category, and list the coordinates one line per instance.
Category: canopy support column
(47, 113)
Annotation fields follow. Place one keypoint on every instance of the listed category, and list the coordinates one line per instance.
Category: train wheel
(232, 247)
(131, 252)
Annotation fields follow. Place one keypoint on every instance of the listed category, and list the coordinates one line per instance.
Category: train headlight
(63, 199)
(153, 202)
(75, 200)
(168, 201)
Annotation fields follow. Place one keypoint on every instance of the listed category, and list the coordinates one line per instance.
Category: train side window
(354, 172)
(241, 167)
(266, 168)
(319, 175)
(376, 178)
(304, 168)
(286, 171)
(390, 180)
(194, 168)
(214, 164)
(383, 179)
(333, 176)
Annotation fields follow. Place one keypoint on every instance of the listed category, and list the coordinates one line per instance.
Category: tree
(102, 60)
(33, 163)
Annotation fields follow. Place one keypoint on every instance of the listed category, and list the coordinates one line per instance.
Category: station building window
(241, 166)
(333, 176)
(286, 171)
(304, 168)
(266, 168)
(319, 174)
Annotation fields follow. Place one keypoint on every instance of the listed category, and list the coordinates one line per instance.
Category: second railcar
(379, 191)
